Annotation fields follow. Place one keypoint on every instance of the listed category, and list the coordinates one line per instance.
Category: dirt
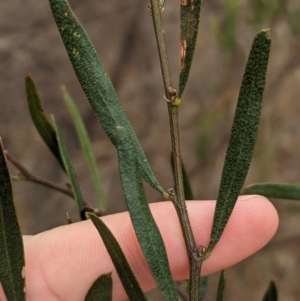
(124, 39)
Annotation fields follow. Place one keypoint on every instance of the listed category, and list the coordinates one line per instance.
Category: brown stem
(28, 176)
(178, 198)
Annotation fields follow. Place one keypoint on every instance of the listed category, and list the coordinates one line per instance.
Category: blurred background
(123, 36)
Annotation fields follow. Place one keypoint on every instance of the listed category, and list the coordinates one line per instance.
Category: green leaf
(12, 262)
(189, 25)
(101, 289)
(243, 134)
(271, 293)
(203, 286)
(221, 286)
(81, 205)
(272, 190)
(40, 120)
(96, 83)
(144, 225)
(86, 147)
(130, 284)
(188, 192)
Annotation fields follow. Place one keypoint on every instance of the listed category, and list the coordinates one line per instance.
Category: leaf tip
(65, 93)
(53, 119)
(266, 32)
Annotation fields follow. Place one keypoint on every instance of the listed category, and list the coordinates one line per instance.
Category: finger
(62, 264)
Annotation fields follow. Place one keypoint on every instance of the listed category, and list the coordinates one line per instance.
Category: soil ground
(123, 36)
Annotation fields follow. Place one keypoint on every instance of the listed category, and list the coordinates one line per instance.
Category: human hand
(63, 263)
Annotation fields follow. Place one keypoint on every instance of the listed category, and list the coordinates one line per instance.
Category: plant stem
(25, 175)
(178, 198)
(28, 176)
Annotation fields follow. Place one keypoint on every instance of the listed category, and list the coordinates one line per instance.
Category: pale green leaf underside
(130, 284)
(70, 172)
(101, 289)
(144, 225)
(96, 83)
(40, 120)
(273, 190)
(12, 259)
(86, 147)
(243, 134)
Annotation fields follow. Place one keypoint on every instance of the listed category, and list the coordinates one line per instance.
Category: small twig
(25, 175)
(28, 176)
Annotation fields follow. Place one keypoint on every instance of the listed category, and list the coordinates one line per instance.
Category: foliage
(86, 147)
(221, 286)
(271, 293)
(133, 165)
(243, 134)
(102, 287)
(131, 286)
(12, 260)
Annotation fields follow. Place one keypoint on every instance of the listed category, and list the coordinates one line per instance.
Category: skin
(62, 263)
